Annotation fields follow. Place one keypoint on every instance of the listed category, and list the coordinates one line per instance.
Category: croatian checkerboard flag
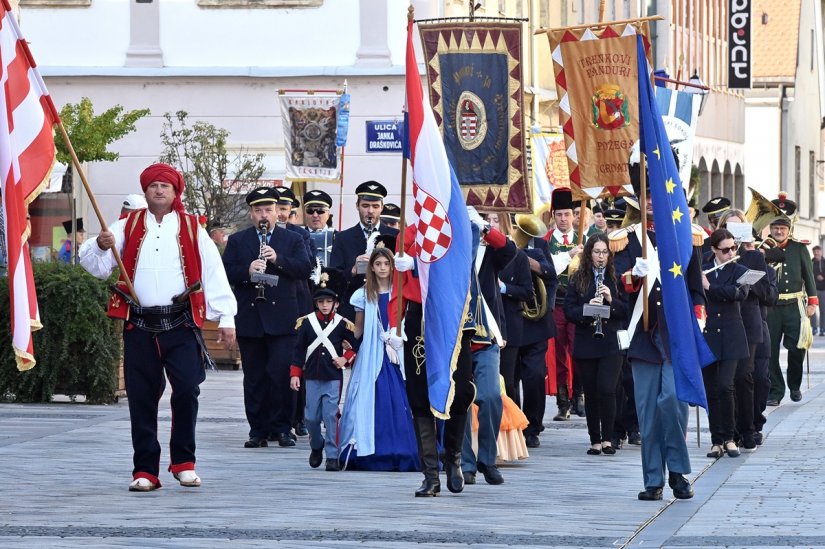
(443, 241)
(26, 157)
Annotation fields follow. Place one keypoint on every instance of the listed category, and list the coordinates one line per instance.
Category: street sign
(384, 136)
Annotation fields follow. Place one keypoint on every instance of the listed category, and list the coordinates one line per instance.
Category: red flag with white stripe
(26, 157)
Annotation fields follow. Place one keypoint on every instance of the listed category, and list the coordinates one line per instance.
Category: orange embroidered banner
(597, 78)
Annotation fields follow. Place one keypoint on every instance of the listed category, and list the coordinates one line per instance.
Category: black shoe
(758, 438)
(301, 429)
(491, 473)
(773, 402)
(796, 395)
(651, 494)
(532, 441)
(617, 442)
(469, 477)
(563, 414)
(332, 465)
(608, 450)
(579, 406)
(255, 442)
(316, 457)
(285, 439)
(731, 449)
(634, 438)
(680, 485)
(429, 488)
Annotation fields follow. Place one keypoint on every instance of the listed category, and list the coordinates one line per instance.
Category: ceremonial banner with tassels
(310, 131)
(549, 166)
(597, 82)
(474, 71)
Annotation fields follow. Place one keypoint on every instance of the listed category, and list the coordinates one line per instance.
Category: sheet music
(750, 277)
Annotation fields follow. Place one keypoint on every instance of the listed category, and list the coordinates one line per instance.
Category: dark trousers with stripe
(266, 394)
(146, 357)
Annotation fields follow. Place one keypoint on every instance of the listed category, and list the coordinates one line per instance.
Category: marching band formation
(316, 316)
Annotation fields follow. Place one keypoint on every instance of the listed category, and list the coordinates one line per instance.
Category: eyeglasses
(729, 250)
(316, 211)
(601, 252)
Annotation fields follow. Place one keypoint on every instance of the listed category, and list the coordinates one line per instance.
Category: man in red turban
(166, 174)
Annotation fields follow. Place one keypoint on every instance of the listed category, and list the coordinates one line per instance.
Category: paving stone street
(66, 468)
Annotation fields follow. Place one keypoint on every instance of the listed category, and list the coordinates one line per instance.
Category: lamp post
(696, 86)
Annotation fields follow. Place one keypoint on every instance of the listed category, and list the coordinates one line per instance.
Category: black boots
(428, 454)
(563, 402)
(453, 440)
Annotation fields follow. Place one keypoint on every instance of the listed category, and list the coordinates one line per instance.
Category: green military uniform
(795, 280)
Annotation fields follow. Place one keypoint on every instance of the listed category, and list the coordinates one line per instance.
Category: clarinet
(263, 227)
(599, 334)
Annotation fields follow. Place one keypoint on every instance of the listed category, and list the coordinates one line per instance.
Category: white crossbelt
(491, 320)
(323, 335)
(639, 307)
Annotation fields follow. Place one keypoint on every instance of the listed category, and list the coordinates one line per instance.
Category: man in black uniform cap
(317, 205)
(350, 244)
(391, 215)
(266, 317)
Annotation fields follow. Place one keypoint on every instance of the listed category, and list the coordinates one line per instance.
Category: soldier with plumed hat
(348, 251)
(789, 321)
(317, 363)
(268, 307)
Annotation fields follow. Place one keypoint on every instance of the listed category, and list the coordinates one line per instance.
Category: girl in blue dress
(376, 430)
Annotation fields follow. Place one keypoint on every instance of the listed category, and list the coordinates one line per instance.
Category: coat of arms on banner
(475, 88)
(310, 127)
(549, 166)
(597, 81)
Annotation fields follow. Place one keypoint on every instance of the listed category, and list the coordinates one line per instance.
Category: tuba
(529, 227)
(762, 212)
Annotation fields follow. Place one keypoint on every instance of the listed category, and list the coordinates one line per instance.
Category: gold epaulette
(350, 325)
(618, 239)
(299, 322)
(699, 234)
(574, 264)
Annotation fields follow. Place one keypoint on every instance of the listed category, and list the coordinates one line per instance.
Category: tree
(215, 183)
(91, 134)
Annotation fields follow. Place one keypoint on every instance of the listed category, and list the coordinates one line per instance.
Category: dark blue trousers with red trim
(147, 357)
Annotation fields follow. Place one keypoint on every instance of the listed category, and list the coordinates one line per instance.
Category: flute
(731, 260)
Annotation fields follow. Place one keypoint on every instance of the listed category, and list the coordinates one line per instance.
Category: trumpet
(263, 228)
(597, 322)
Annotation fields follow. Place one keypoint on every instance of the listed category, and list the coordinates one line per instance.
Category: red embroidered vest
(133, 232)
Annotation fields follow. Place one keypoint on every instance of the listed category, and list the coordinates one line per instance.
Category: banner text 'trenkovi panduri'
(607, 64)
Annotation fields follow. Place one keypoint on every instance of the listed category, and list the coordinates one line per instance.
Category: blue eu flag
(688, 350)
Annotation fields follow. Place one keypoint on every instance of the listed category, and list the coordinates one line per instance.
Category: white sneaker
(142, 485)
(188, 478)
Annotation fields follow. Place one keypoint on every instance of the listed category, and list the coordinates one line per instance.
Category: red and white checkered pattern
(434, 231)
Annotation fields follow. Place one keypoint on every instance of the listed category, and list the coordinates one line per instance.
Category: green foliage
(91, 134)
(217, 181)
(78, 348)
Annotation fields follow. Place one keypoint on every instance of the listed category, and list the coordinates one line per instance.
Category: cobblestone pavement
(66, 468)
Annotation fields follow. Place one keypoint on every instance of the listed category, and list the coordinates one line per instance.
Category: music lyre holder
(596, 311)
(263, 278)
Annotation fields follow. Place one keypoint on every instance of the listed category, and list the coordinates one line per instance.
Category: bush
(78, 348)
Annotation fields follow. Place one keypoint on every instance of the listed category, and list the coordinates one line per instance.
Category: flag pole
(103, 225)
(643, 208)
(399, 312)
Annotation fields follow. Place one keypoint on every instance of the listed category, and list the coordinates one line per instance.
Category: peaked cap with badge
(262, 195)
(317, 198)
(371, 191)
(391, 212)
(716, 206)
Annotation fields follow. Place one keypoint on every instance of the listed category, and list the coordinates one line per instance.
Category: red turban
(166, 174)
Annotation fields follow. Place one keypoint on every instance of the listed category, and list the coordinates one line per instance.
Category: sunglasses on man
(316, 211)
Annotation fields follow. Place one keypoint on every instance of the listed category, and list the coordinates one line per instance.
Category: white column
(373, 50)
(144, 34)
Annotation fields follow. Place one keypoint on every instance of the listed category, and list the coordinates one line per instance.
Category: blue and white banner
(680, 111)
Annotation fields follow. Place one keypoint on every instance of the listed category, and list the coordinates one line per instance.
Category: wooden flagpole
(93, 200)
(399, 312)
(643, 208)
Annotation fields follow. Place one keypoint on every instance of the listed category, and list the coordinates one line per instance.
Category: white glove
(644, 267)
(403, 262)
(392, 354)
(395, 341)
(476, 219)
